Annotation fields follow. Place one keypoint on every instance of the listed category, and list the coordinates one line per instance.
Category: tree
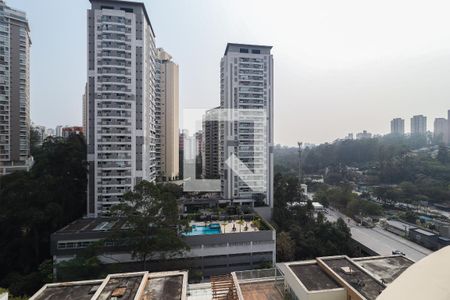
(85, 265)
(285, 247)
(151, 221)
(37, 203)
(442, 155)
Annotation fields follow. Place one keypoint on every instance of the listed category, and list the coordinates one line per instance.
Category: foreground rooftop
(333, 278)
(125, 286)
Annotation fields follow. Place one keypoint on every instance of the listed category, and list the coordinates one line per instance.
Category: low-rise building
(425, 238)
(216, 247)
(67, 131)
(399, 227)
(330, 278)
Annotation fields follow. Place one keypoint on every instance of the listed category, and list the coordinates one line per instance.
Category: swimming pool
(213, 228)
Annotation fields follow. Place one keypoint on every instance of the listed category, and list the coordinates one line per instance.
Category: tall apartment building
(210, 155)
(121, 106)
(440, 132)
(418, 124)
(167, 117)
(398, 126)
(246, 136)
(15, 122)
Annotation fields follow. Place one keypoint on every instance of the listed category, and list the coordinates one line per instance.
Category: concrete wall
(302, 293)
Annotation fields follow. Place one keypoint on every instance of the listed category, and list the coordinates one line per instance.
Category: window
(128, 10)
(243, 50)
(254, 51)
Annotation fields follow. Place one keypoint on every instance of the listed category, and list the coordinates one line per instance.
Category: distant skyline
(340, 66)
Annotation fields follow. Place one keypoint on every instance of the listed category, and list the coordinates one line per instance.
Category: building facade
(15, 121)
(212, 254)
(167, 116)
(120, 118)
(418, 125)
(398, 126)
(210, 155)
(440, 132)
(246, 130)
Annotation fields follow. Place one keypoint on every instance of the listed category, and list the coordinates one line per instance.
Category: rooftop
(91, 225)
(400, 225)
(385, 268)
(82, 290)
(245, 45)
(354, 275)
(131, 3)
(260, 290)
(424, 232)
(125, 286)
(313, 277)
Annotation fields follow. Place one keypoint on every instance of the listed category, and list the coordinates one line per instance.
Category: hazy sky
(340, 66)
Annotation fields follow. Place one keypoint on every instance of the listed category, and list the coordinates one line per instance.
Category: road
(379, 240)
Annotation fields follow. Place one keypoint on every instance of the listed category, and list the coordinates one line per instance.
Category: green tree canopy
(152, 224)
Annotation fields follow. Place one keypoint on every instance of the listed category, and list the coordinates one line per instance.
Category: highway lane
(379, 240)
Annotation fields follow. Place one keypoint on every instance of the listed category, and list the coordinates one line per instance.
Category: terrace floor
(227, 227)
(265, 290)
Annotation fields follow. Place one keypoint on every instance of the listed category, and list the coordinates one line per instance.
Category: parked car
(398, 252)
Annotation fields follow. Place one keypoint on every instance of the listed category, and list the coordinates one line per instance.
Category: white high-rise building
(120, 112)
(398, 126)
(15, 121)
(418, 125)
(246, 137)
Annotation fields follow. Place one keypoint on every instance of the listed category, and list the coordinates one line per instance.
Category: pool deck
(227, 227)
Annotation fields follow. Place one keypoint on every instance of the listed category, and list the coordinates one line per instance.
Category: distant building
(15, 121)
(50, 132)
(58, 130)
(363, 135)
(199, 142)
(349, 136)
(418, 125)
(210, 155)
(440, 133)
(41, 131)
(167, 117)
(67, 131)
(398, 126)
(424, 237)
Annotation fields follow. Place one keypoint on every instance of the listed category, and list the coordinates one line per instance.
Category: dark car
(398, 252)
